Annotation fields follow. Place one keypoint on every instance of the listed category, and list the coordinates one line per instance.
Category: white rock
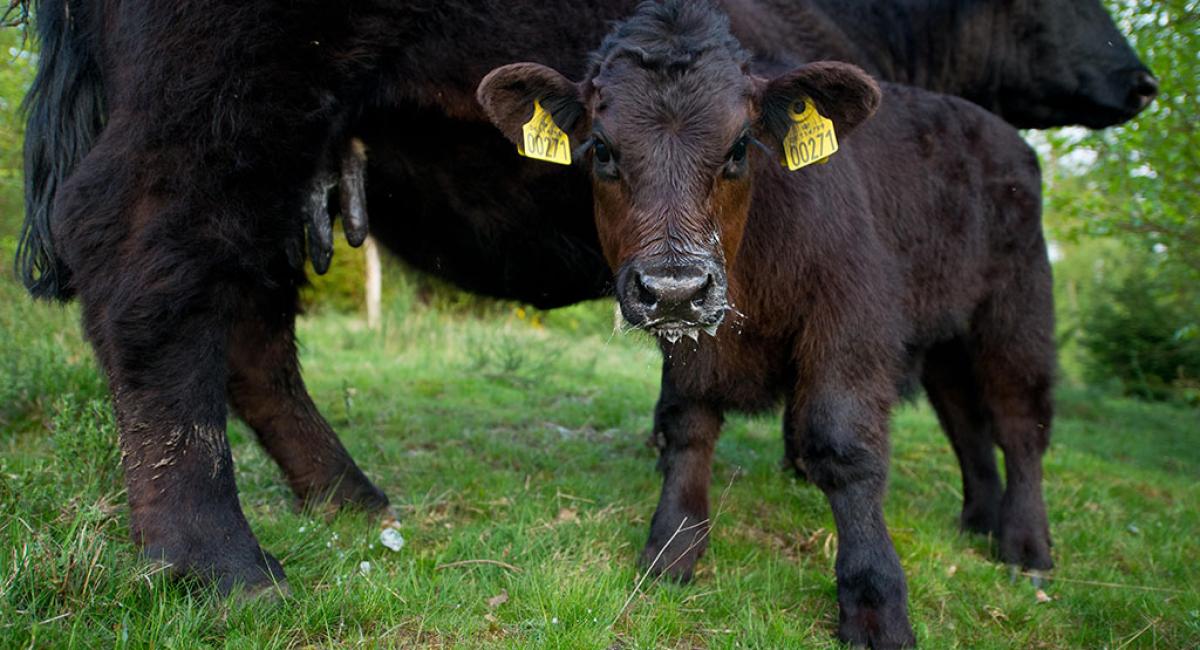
(391, 538)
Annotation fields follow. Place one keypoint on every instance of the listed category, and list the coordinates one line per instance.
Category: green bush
(1145, 338)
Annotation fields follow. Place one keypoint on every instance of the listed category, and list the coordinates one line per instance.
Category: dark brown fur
(916, 253)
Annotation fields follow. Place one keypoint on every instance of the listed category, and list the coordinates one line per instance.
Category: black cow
(916, 252)
(452, 199)
(171, 146)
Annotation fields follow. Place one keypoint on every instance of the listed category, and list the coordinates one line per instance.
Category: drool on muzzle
(685, 295)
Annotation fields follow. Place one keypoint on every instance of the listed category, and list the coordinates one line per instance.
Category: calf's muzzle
(673, 298)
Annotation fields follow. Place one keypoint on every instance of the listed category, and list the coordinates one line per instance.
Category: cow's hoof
(1027, 546)
(244, 569)
(352, 491)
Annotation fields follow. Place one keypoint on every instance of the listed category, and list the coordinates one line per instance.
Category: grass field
(505, 440)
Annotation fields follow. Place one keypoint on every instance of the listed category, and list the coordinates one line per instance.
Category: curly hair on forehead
(669, 36)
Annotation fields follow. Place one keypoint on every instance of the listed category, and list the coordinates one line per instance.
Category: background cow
(917, 250)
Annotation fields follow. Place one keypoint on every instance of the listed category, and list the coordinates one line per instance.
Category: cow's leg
(687, 432)
(845, 451)
(954, 393)
(1013, 350)
(159, 285)
(161, 335)
(267, 392)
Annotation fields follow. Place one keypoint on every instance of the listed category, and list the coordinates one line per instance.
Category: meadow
(513, 444)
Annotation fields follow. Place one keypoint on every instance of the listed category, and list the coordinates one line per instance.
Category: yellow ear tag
(811, 138)
(543, 140)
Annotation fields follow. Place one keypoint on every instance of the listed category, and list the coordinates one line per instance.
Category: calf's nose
(674, 293)
(1144, 90)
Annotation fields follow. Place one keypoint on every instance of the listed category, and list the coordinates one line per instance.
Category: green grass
(502, 440)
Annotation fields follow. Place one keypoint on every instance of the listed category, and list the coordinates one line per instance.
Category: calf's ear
(839, 91)
(508, 93)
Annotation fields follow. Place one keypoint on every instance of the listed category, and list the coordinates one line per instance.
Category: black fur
(65, 109)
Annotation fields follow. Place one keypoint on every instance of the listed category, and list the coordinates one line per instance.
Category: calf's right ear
(508, 93)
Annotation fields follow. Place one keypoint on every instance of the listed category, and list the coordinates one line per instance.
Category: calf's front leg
(686, 431)
(845, 451)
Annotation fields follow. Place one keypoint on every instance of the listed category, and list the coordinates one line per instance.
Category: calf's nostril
(701, 294)
(645, 294)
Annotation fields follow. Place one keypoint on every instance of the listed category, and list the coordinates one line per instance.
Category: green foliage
(1145, 340)
(17, 62)
(1140, 182)
(342, 287)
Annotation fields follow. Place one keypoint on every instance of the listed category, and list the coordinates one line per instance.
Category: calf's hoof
(1027, 546)
(876, 627)
(796, 467)
(675, 558)
(981, 518)
(873, 612)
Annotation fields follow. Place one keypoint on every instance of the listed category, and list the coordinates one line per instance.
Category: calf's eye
(603, 155)
(737, 154)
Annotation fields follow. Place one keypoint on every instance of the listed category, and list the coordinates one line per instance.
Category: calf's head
(669, 119)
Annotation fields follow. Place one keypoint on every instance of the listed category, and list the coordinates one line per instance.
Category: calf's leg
(267, 392)
(792, 435)
(686, 432)
(955, 395)
(1014, 356)
(845, 450)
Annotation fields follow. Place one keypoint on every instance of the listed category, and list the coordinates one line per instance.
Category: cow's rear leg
(158, 287)
(160, 331)
(1014, 355)
(686, 432)
(955, 395)
(267, 392)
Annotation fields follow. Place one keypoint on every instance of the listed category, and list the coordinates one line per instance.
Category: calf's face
(670, 147)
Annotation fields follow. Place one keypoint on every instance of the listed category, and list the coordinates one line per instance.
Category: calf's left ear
(508, 94)
(840, 91)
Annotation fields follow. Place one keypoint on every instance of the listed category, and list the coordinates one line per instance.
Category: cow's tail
(65, 113)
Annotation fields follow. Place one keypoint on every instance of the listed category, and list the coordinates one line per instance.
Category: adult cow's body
(455, 201)
(170, 147)
(175, 223)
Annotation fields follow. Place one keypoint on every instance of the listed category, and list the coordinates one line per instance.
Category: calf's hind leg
(267, 392)
(1014, 357)
(954, 392)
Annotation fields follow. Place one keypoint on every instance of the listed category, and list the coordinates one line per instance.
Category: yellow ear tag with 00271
(543, 140)
(810, 139)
